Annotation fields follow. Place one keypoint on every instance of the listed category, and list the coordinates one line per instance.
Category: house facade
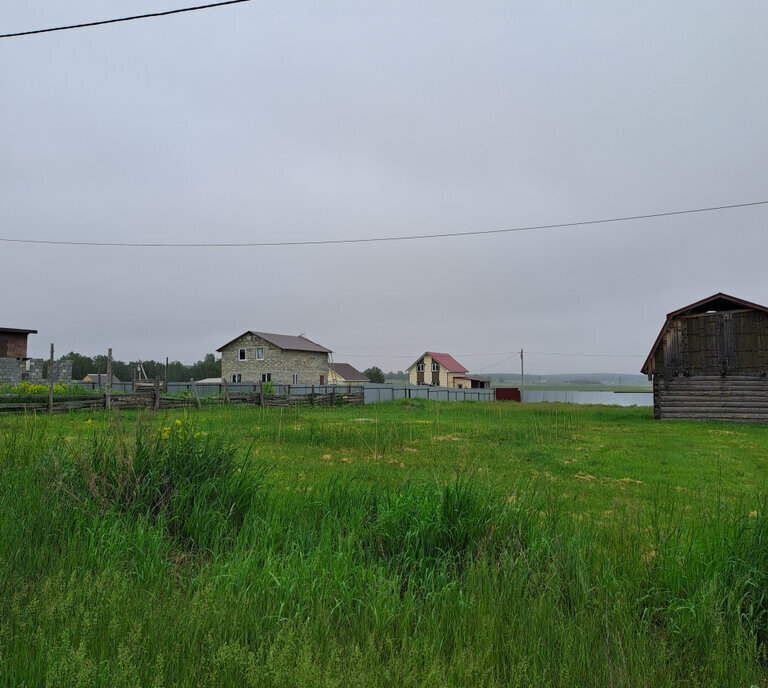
(278, 358)
(443, 370)
(710, 361)
(345, 374)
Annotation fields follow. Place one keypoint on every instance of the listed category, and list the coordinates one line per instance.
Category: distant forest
(210, 366)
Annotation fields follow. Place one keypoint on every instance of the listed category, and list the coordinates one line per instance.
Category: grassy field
(418, 544)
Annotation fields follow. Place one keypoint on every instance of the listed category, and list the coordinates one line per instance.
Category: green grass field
(409, 544)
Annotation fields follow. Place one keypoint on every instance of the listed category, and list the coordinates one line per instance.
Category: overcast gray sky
(289, 121)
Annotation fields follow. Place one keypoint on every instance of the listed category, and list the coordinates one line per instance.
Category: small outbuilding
(13, 342)
(710, 361)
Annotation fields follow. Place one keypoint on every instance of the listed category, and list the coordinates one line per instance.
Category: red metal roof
(448, 362)
(716, 302)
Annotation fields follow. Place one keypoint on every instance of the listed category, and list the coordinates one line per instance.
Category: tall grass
(145, 554)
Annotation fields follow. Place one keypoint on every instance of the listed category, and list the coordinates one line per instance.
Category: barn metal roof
(716, 302)
(283, 341)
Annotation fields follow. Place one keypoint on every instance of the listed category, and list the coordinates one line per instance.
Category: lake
(607, 398)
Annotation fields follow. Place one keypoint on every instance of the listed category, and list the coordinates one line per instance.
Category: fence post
(108, 393)
(333, 395)
(261, 393)
(226, 390)
(194, 391)
(50, 382)
(312, 396)
(156, 404)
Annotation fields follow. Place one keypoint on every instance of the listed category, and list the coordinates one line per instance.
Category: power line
(414, 237)
(122, 19)
(510, 354)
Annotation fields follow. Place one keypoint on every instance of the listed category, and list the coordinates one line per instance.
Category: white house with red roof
(442, 370)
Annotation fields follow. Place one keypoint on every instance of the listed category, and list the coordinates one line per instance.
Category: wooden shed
(710, 362)
(13, 342)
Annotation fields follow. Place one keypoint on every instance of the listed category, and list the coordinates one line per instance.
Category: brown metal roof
(716, 302)
(283, 341)
(347, 372)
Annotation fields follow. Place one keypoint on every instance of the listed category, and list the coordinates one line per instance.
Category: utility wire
(122, 19)
(510, 354)
(414, 237)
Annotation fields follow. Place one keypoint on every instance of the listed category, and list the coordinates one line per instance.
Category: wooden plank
(108, 393)
(50, 381)
(194, 392)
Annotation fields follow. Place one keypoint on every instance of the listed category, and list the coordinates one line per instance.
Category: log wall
(740, 398)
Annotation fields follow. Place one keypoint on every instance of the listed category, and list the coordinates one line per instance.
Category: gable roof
(347, 372)
(446, 360)
(716, 302)
(283, 341)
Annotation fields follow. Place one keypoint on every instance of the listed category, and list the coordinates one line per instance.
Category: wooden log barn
(710, 362)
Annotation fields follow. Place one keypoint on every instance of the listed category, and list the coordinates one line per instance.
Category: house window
(435, 367)
(295, 379)
(420, 368)
(266, 377)
(260, 354)
(241, 354)
(237, 377)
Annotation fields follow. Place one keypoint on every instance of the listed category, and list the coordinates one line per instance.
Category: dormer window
(435, 367)
(420, 368)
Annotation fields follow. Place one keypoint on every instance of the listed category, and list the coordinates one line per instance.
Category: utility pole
(522, 375)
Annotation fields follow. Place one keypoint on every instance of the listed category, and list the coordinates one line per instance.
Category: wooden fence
(153, 399)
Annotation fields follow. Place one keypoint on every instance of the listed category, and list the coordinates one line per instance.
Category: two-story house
(279, 358)
(442, 370)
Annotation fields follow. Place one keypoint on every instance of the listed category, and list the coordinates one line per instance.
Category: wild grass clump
(189, 480)
(426, 525)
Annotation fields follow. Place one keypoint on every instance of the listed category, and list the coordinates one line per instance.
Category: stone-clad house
(279, 358)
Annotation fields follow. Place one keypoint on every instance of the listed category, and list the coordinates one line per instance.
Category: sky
(295, 121)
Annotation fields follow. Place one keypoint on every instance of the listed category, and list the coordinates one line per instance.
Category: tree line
(210, 366)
